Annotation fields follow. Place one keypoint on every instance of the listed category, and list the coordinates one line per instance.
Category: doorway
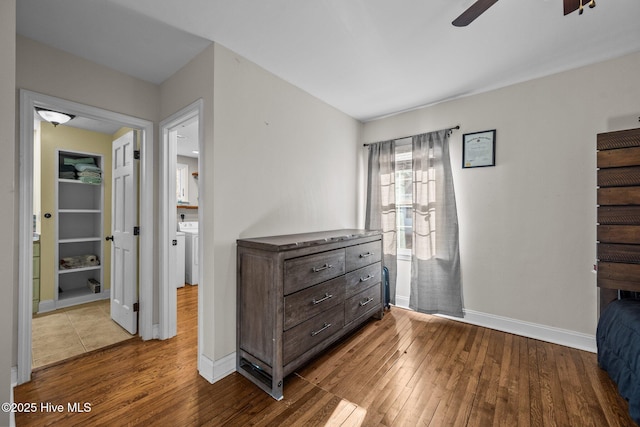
(74, 281)
(180, 201)
(28, 102)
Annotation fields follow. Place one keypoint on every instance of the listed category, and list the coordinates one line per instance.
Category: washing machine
(190, 230)
(180, 258)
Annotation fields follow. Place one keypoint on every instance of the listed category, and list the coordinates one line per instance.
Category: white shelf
(81, 240)
(79, 223)
(75, 181)
(79, 296)
(80, 269)
(82, 211)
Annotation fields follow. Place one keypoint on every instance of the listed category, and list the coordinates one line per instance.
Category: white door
(124, 243)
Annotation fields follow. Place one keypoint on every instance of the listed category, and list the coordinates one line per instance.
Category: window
(182, 193)
(404, 197)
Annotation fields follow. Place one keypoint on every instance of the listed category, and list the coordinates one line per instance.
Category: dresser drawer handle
(363, 303)
(326, 297)
(325, 326)
(324, 267)
(370, 276)
(366, 254)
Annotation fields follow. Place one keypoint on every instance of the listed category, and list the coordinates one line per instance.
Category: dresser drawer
(300, 273)
(365, 254)
(363, 278)
(301, 338)
(363, 303)
(312, 301)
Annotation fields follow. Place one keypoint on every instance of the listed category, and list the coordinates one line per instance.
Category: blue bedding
(618, 340)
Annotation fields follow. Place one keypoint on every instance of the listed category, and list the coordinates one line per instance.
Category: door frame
(28, 101)
(167, 296)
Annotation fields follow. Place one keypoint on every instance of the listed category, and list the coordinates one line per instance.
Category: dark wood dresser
(298, 294)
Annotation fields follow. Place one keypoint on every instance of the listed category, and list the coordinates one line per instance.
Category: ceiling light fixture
(54, 117)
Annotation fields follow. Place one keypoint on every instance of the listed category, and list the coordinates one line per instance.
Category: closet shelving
(80, 222)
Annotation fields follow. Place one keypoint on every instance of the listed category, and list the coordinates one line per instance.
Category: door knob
(109, 238)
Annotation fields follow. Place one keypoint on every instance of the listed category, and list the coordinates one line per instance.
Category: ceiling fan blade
(475, 10)
(571, 6)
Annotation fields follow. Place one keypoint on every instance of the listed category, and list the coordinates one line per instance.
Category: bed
(618, 340)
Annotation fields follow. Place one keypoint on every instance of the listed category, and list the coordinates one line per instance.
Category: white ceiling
(188, 138)
(367, 58)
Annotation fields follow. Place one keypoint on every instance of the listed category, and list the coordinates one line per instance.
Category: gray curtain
(381, 204)
(435, 260)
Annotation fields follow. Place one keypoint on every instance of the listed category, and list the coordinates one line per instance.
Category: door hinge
(136, 154)
(136, 307)
(136, 230)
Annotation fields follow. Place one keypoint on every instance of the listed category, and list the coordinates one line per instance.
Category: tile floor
(73, 331)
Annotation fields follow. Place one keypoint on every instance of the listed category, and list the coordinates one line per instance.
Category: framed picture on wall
(479, 149)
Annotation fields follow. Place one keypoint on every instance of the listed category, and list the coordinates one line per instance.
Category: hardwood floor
(408, 369)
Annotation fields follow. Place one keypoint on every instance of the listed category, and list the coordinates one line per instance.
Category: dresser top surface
(295, 241)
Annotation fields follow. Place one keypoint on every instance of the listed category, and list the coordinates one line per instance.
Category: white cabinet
(80, 224)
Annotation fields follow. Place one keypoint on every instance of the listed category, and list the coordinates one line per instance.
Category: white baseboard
(519, 327)
(155, 331)
(14, 383)
(205, 368)
(537, 331)
(46, 305)
(215, 371)
(51, 305)
(402, 302)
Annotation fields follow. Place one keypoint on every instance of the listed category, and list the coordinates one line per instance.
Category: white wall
(275, 161)
(283, 162)
(527, 225)
(8, 210)
(195, 81)
(76, 79)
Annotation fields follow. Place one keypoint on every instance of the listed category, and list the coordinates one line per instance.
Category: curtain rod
(411, 136)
